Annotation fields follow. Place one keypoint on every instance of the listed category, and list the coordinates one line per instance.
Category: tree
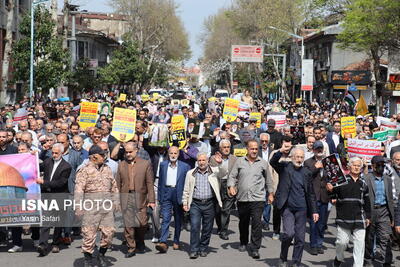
(51, 62)
(7, 51)
(372, 26)
(82, 77)
(125, 68)
(158, 32)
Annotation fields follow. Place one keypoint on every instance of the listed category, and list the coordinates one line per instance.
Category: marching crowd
(279, 178)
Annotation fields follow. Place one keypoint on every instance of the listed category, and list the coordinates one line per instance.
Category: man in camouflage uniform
(95, 181)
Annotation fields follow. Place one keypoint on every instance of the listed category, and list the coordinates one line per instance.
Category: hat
(318, 144)
(360, 117)
(95, 149)
(271, 122)
(377, 159)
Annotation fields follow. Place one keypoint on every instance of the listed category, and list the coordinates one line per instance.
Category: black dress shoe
(203, 254)
(193, 255)
(42, 251)
(255, 254)
(320, 250)
(130, 254)
(314, 251)
(223, 236)
(242, 248)
(266, 227)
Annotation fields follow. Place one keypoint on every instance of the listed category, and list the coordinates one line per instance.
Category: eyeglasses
(264, 141)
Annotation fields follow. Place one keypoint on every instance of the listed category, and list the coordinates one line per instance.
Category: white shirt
(265, 154)
(172, 175)
(55, 166)
(335, 138)
(160, 159)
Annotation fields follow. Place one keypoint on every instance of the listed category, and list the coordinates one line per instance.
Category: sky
(192, 12)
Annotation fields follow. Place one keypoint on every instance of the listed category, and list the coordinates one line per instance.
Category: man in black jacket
(296, 199)
(55, 180)
(317, 230)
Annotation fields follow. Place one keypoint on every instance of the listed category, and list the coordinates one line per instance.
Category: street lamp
(294, 35)
(33, 5)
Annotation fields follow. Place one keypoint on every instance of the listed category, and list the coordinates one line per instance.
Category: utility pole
(65, 24)
(7, 51)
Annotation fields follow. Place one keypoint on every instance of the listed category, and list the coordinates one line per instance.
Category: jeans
(267, 213)
(317, 230)
(294, 226)
(342, 239)
(250, 210)
(201, 216)
(169, 204)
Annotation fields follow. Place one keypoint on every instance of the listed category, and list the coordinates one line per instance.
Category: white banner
(307, 75)
(280, 120)
(363, 148)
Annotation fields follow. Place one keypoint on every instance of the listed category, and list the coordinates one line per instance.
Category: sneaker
(155, 240)
(15, 249)
(283, 263)
(35, 243)
(275, 236)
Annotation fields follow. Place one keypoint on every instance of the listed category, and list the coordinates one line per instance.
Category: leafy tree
(372, 26)
(125, 68)
(82, 77)
(51, 61)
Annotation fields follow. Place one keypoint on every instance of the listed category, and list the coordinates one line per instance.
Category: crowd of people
(203, 178)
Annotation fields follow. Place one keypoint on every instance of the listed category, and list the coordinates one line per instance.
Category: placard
(177, 131)
(280, 120)
(88, 114)
(240, 152)
(231, 109)
(122, 97)
(124, 124)
(348, 125)
(363, 148)
(185, 102)
(333, 170)
(145, 98)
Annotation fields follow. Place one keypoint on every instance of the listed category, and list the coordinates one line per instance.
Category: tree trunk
(65, 25)
(7, 52)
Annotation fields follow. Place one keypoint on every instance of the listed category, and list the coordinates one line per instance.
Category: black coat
(59, 183)
(285, 171)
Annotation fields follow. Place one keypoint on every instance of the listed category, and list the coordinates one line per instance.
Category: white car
(221, 93)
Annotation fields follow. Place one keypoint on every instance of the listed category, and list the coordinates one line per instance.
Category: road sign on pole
(307, 75)
(247, 53)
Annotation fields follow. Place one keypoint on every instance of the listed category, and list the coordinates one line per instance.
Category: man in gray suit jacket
(382, 214)
(227, 160)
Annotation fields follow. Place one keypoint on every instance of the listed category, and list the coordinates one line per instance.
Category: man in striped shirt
(353, 213)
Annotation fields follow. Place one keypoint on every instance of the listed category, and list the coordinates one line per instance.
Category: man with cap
(317, 229)
(382, 214)
(95, 180)
(275, 136)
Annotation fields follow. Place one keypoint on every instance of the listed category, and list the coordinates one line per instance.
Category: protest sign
(298, 101)
(212, 99)
(298, 134)
(333, 170)
(185, 102)
(18, 175)
(20, 115)
(158, 135)
(122, 97)
(177, 131)
(231, 109)
(175, 102)
(145, 98)
(386, 123)
(280, 119)
(105, 109)
(240, 152)
(256, 116)
(88, 114)
(348, 125)
(363, 148)
(124, 124)
(380, 136)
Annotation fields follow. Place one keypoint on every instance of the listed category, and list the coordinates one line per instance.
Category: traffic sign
(247, 53)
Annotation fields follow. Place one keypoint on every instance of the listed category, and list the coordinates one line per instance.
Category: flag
(350, 99)
(361, 107)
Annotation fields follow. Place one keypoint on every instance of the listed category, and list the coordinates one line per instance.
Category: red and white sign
(235, 83)
(247, 53)
(363, 148)
(280, 120)
(307, 75)
(93, 63)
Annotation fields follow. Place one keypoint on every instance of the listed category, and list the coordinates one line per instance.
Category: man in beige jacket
(200, 195)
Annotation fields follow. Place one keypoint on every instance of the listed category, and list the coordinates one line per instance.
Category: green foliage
(126, 66)
(51, 62)
(82, 78)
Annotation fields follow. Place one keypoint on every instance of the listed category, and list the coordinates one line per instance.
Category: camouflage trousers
(94, 222)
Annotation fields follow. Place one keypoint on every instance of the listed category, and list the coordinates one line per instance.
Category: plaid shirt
(202, 188)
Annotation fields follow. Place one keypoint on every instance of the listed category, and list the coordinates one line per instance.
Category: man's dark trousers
(294, 226)
(250, 210)
(227, 204)
(317, 230)
(202, 214)
(379, 230)
(169, 204)
(276, 219)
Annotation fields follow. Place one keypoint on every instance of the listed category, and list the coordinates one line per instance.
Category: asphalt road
(222, 253)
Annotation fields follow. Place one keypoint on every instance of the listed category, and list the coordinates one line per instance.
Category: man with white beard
(317, 229)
